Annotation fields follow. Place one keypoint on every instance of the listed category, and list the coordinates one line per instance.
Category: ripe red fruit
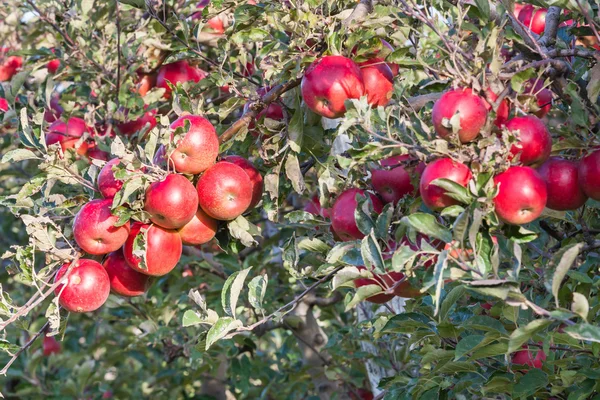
(146, 83)
(314, 207)
(395, 68)
(342, 214)
(108, 185)
(146, 121)
(172, 202)
(54, 112)
(543, 96)
(387, 281)
(199, 146)
(201, 229)
(393, 184)
(379, 81)
(534, 143)
(522, 195)
(224, 191)
(518, 8)
(589, 175)
(86, 289)
(179, 71)
(53, 66)
(50, 346)
(9, 66)
(3, 104)
(97, 154)
(255, 177)
(275, 111)
(533, 18)
(124, 280)
(434, 196)
(68, 134)
(94, 228)
(562, 184)
(162, 250)
(528, 357)
(503, 109)
(471, 109)
(328, 82)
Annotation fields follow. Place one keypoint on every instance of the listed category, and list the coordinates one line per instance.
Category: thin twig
(22, 349)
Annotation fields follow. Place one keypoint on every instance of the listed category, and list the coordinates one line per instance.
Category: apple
(146, 121)
(172, 202)
(527, 357)
(54, 112)
(589, 175)
(328, 82)
(503, 109)
(522, 195)
(533, 18)
(53, 66)
(225, 191)
(342, 214)
(543, 96)
(255, 177)
(562, 184)
(274, 111)
(387, 281)
(517, 9)
(94, 228)
(3, 104)
(94, 152)
(471, 109)
(534, 141)
(198, 148)
(394, 183)
(314, 207)
(86, 288)
(379, 81)
(162, 249)
(108, 185)
(68, 134)
(395, 68)
(201, 229)
(50, 346)
(124, 280)
(434, 196)
(9, 66)
(177, 72)
(145, 83)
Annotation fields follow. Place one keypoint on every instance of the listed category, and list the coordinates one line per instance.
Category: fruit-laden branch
(22, 349)
(362, 9)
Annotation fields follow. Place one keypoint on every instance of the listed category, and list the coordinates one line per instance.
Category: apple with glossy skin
(528, 357)
(68, 134)
(163, 249)
(534, 141)
(94, 228)
(395, 183)
(146, 121)
(87, 286)
(543, 96)
(9, 66)
(522, 195)
(50, 346)
(589, 175)
(201, 229)
(472, 113)
(53, 66)
(517, 9)
(255, 177)
(198, 149)
(94, 152)
(145, 83)
(124, 280)
(342, 214)
(533, 18)
(54, 112)
(314, 207)
(562, 184)
(3, 104)
(503, 109)
(328, 82)
(434, 196)
(224, 191)
(108, 185)
(379, 81)
(172, 202)
(179, 71)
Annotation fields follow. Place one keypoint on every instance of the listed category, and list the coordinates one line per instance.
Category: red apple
(145, 83)
(471, 109)
(97, 154)
(589, 175)
(275, 111)
(94, 228)
(434, 196)
(54, 112)
(53, 66)
(50, 346)
(3, 104)
(224, 191)
(124, 280)
(387, 281)
(9, 66)
(162, 249)
(503, 109)
(379, 81)
(201, 229)
(86, 289)
(68, 134)
(528, 357)
(108, 185)
(518, 8)
(342, 214)
(534, 141)
(172, 202)
(328, 82)
(146, 121)
(522, 195)
(198, 148)
(255, 177)
(543, 96)
(562, 184)
(314, 207)
(179, 71)
(394, 183)
(533, 18)
(395, 68)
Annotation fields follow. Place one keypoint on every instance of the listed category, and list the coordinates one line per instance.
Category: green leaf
(457, 367)
(362, 293)
(191, 318)
(455, 294)
(459, 228)
(521, 335)
(296, 130)
(490, 350)
(362, 214)
(593, 86)
(498, 384)
(566, 259)
(580, 305)
(221, 328)
(232, 289)
(484, 8)
(401, 257)
(584, 331)
(530, 383)
(466, 344)
(345, 275)
(453, 189)
(371, 253)
(8, 347)
(292, 171)
(428, 226)
(243, 230)
(484, 323)
(18, 155)
(257, 288)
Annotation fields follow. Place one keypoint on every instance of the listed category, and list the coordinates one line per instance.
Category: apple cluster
(178, 213)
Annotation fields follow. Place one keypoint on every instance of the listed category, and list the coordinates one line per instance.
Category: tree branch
(551, 28)
(362, 9)
(22, 349)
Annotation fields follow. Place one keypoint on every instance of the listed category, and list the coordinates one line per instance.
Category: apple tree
(300, 199)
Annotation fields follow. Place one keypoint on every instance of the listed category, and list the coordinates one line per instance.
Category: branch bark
(362, 9)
